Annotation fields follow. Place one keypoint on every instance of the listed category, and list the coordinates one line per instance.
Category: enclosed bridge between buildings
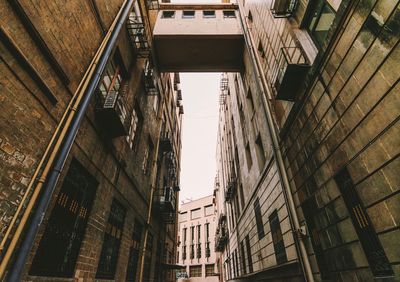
(203, 38)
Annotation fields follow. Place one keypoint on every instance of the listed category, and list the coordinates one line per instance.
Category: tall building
(196, 251)
(306, 161)
(82, 103)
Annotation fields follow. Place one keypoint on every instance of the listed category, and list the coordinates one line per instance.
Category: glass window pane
(324, 24)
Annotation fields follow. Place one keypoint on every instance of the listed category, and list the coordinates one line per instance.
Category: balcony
(111, 111)
(283, 8)
(168, 200)
(289, 73)
(137, 35)
(166, 142)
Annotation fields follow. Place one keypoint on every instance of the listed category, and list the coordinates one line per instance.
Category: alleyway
(280, 163)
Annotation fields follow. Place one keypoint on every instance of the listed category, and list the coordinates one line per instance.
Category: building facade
(306, 154)
(112, 214)
(197, 225)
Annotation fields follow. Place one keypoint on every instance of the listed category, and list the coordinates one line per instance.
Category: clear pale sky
(200, 93)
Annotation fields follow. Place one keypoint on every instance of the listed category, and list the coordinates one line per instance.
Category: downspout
(44, 165)
(152, 190)
(51, 180)
(301, 249)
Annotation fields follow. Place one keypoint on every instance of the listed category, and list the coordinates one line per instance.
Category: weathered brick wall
(350, 118)
(72, 33)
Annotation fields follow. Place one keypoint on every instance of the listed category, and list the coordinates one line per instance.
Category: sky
(200, 93)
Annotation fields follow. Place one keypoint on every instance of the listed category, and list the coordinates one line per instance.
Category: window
(65, 230)
(249, 258)
(242, 257)
(320, 21)
(209, 270)
(259, 221)
(188, 14)
(148, 257)
(196, 213)
(248, 157)
(198, 250)
(148, 156)
(261, 50)
(195, 271)
(183, 252)
(208, 250)
(183, 216)
(207, 227)
(229, 14)
(376, 256)
(198, 232)
(208, 210)
(168, 14)
(260, 152)
(184, 235)
(277, 238)
(192, 251)
(208, 14)
(112, 240)
(192, 233)
(134, 252)
(134, 128)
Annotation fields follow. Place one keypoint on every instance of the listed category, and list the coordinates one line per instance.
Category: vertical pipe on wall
(67, 142)
(262, 84)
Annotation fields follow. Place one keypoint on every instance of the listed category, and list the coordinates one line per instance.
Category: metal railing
(138, 36)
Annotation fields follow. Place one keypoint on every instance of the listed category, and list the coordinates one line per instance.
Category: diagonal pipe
(51, 181)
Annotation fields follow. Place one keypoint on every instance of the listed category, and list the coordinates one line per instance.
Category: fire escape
(221, 234)
(138, 36)
(230, 189)
(223, 89)
(168, 197)
(150, 80)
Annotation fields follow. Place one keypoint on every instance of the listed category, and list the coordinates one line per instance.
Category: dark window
(229, 14)
(261, 50)
(208, 250)
(259, 221)
(183, 252)
(168, 14)
(59, 247)
(199, 250)
(233, 264)
(260, 152)
(134, 252)
(248, 157)
(147, 258)
(191, 251)
(209, 270)
(320, 21)
(135, 128)
(195, 270)
(369, 240)
(249, 258)
(188, 14)
(243, 258)
(112, 241)
(277, 238)
(208, 14)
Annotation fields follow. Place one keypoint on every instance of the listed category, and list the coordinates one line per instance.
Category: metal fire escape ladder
(138, 36)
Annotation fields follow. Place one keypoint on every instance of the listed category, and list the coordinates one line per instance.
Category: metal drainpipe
(48, 189)
(262, 84)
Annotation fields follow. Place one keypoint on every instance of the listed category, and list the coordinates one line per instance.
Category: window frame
(188, 16)
(210, 16)
(163, 15)
(229, 14)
